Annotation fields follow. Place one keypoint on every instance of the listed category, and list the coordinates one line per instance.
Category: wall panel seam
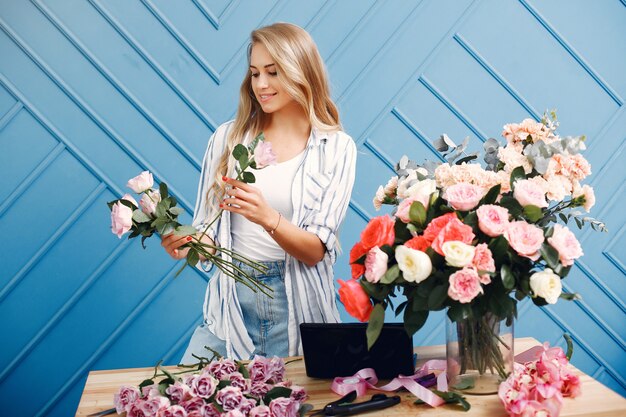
(416, 132)
(207, 13)
(360, 211)
(378, 153)
(85, 108)
(573, 53)
(10, 115)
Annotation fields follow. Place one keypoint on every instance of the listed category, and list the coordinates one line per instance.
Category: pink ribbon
(366, 379)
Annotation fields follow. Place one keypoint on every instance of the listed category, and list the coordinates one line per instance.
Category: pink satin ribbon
(366, 379)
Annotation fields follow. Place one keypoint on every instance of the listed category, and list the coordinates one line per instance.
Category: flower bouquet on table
(157, 212)
(474, 240)
(216, 388)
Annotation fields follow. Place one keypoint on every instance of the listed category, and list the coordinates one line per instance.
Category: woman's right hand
(172, 243)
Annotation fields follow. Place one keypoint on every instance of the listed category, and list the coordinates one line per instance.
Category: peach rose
(454, 230)
(525, 239)
(378, 232)
(464, 285)
(566, 244)
(492, 220)
(527, 193)
(355, 300)
(463, 197)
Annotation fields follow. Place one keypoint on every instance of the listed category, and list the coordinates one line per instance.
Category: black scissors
(103, 413)
(345, 406)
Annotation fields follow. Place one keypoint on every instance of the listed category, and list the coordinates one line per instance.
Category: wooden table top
(596, 399)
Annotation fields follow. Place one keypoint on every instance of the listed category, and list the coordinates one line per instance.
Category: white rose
(141, 182)
(458, 254)
(547, 285)
(149, 201)
(414, 264)
(422, 190)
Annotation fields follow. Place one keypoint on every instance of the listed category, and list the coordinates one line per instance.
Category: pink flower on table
(135, 410)
(230, 398)
(149, 201)
(525, 239)
(546, 408)
(122, 216)
(264, 155)
(277, 369)
(178, 391)
(492, 220)
(237, 380)
(150, 391)
(527, 193)
(203, 385)
(463, 196)
(259, 369)
(455, 229)
(246, 405)
(259, 389)
(124, 398)
(375, 264)
(260, 411)
(141, 182)
(514, 396)
(571, 384)
(173, 411)
(233, 413)
(210, 410)
(548, 379)
(566, 244)
(284, 407)
(483, 261)
(221, 368)
(298, 393)
(464, 285)
(152, 405)
(193, 404)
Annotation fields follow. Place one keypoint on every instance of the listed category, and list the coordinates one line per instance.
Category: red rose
(355, 300)
(418, 243)
(357, 251)
(454, 230)
(378, 232)
(435, 226)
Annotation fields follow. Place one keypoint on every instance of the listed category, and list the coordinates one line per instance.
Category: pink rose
(203, 385)
(258, 369)
(122, 216)
(141, 182)
(237, 380)
(375, 264)
(152, 405)
(492, 220)
(483, 261)
(173, 411)
(566, 244)
(221, 368)
(229, 398)
(464, 285)
(403, 210)
(210, 410)
(135, 410)
(233, 413)
(277, 369)
(246, 405)
(463, 196)
(263, 155)
(178, 391)
(193, 404)
(149, 201)
(124, 398)
(284, 407)
(298, 393)
(527, 193)
(259, 389)
(455, 229)
(525, 239)
(260, 411)
(355, 300)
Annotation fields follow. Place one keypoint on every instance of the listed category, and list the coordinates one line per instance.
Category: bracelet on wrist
(271, 231)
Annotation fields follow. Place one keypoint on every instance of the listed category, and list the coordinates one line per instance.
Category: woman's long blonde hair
(303, 75)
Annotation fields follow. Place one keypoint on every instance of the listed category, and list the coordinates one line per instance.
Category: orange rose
(357, 251)
(454, 230)
(355, 300)
(418, 243)
(378, 232)
(435, 226)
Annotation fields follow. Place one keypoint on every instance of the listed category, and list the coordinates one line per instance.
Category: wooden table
(596, 399)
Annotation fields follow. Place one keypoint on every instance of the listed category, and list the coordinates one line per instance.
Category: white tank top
(275, 183)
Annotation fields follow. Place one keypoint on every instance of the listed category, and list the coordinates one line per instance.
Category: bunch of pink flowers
(222, 388)
(537, 388)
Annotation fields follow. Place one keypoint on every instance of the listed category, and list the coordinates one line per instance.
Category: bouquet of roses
(540, 384)
(157, 213)
(216, 388)
(474, 240)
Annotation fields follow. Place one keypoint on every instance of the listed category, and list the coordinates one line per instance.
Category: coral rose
(436, 224)
(355, 300)
(378, 232)
(417, 243)
(357, 251)
(454, 230)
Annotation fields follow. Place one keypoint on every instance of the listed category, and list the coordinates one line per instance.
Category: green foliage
(417, 213)
(377, 318)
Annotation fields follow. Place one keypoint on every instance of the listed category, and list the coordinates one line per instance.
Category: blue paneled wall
(92, 92)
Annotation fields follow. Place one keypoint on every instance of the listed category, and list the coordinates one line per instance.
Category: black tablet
(340, 349)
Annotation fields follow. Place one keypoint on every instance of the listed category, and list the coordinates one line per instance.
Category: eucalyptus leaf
(141, 217)
(185, 230)
(176, 211)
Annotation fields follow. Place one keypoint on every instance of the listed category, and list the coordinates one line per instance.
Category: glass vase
(479, 353)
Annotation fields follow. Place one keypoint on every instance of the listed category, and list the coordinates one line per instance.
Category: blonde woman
(288, 219)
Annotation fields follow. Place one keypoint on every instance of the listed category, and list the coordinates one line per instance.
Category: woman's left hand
(248, 201)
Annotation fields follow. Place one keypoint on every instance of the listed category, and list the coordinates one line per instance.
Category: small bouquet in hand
(157, 212)
(219, 387)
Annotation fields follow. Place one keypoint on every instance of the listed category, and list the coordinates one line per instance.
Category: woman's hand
(172, 243)
(248, 201)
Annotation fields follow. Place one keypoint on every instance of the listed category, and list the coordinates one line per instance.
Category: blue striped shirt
(320, 196)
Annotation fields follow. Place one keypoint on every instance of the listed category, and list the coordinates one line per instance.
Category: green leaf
(458, 312)
(563, 217)
(437, 297)
(391, 275)
(185, 230)
(239, 150)
(414, 320)
(491, 196)
(161, 209)
(570, 346)
(375, 325)
(192, 257)
(141, 217)
(163, 190)
(508, 279)
(176, 211)
(550, 255)
(417, 213)
(145, 383)
(517, 174)
(532, 213)
(499, 248)
(276, 392)
(464, 383)
(451, 397)
(248, 177)
(512, 205)
(377, 291)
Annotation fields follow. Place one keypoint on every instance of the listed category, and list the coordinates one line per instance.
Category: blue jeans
(266, 318)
